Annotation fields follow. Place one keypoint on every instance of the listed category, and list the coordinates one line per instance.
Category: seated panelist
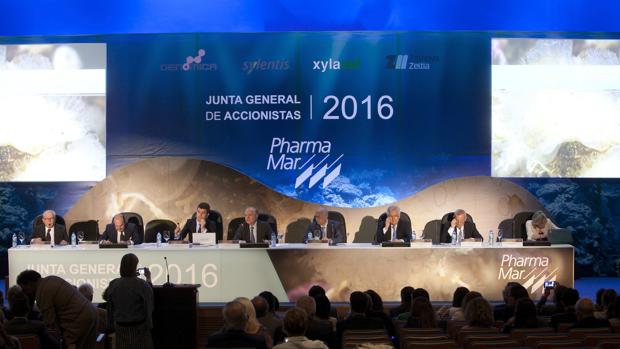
(463, 228)
(196, 225)
(393, 228)
(121, 232)
(49, 230)
(252, 230)
(324, 229)
(538, 227)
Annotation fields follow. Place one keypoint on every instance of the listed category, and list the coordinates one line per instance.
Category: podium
(175, 316)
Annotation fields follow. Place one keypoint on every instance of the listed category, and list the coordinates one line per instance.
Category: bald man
(325, 229)
(121, 232)
(49, 230)
(252, 230)
(584, 311)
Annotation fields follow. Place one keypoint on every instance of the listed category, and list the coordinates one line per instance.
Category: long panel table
(289, 270)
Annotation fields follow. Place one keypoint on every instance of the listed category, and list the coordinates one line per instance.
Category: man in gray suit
(252, 230)
(325, 229)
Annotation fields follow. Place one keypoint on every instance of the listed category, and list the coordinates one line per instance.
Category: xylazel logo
(192, 63)
(264, 65)
(335, 64)
(309, 157)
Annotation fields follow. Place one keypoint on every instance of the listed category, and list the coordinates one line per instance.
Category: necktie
(392, 232)
(47, 235)
(323, 232)
(252, 239)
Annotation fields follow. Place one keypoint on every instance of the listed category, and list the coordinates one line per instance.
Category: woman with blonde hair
(253, 326)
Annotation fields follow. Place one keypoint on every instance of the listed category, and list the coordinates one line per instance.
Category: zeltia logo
(312, 158)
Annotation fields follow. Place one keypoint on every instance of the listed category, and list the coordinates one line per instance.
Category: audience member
(406, 297)
(295, 325)
(21, 325)
(478, 314)
(525, 316)
(422, 314)
(233, 335)
(584, 311)
(62, 307)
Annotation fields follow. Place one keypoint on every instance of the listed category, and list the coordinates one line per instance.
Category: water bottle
(491, 238)
(14, 240)
(413, 236)
(310, 237)
(454, 238)
(73, 240)
(274, 239)
(158, 239)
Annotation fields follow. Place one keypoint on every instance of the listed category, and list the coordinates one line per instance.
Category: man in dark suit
(252, 230)
(318, 329)
(197, 224)
(121, 232)
(49, 230)
(21, 325)
(325, 229)
(357, 319)
(233, 335)
(392, 227)
(464, 228)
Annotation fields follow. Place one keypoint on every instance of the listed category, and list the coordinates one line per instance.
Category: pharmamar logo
(310, 159)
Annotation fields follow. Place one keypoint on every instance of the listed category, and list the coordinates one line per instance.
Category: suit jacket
(131, 232)
(190, 228)
(334, 232)
(60, 233)
(263, 232)
(469, 231)
(236, 339)
(21, 326)
(403, 231)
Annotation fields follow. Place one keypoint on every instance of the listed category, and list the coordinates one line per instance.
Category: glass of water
(500, 235)
(21, 237)
(80, 236)
(166, 235)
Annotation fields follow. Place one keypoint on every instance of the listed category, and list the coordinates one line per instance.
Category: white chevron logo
(328, 172)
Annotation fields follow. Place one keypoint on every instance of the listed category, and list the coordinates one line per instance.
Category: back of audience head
(271, 300)
(377, 302)
(235, 316)
(260, 306)
(616, 309)
(599, 298)
(609, 296)
(423, 314)
(478, 313)
(469, 296)
(19, 303)
(308, 304)
(517, 292)
(323, 307)
(87, 291)
(526, 315)
(506, 291)
(457, 297)
(584, 308)
(129, 265)
(316, 291)
(295, 322)
(28, 281)
(359, 302)
(406, 294)
(570, 296)
(420, 292)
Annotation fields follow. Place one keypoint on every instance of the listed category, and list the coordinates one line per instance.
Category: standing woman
(130, 305)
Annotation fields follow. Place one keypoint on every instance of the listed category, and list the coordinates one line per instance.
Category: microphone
(167, 284)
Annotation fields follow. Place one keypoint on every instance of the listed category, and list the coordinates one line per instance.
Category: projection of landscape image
(555, 108)
(52, 112)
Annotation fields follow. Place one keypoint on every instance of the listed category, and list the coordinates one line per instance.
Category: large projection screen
(555, 108)
(52, 112)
